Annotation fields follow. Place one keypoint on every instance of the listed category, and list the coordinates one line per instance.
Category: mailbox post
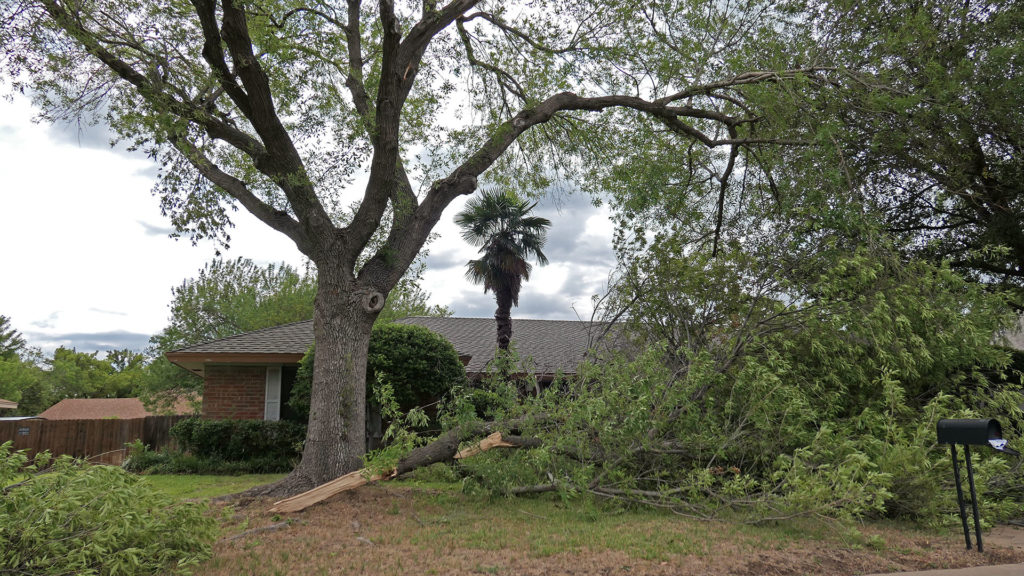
(968, 431)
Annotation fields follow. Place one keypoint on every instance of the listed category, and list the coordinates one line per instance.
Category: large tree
(278, 106)
(500, 223)
(940, 147)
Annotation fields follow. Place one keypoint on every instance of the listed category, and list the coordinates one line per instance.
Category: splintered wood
(493, 441)
(326, 490)
(358, 478)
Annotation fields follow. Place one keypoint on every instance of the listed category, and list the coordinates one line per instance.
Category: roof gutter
(195, 362)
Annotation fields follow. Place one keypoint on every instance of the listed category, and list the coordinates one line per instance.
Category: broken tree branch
(444, 449)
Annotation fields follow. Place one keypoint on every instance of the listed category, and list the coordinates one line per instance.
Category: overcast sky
(88, 262)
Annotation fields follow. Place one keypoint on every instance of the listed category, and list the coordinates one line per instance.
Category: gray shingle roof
(551, 345)
(294, 338)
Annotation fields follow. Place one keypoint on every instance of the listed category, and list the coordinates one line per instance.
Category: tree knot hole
(373, 302)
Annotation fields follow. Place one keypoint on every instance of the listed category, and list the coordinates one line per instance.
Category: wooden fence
(100, 441)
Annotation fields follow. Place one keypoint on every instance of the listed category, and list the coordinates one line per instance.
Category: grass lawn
(407, 527)
(187, 486)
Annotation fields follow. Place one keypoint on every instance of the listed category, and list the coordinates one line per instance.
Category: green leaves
(500, 224)
(233, 296)
(805, 385)
(101, 520)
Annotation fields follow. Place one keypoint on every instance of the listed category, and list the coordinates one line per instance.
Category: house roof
(552, 345)
(100, 408)
(7, 404)
(285, 344)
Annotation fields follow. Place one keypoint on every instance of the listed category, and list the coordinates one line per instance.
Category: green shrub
(240, 440)
(142, 459)
(81, 519)
(419, 365)
(145, 461)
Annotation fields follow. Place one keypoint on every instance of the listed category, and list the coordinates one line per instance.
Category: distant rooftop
(100, 408)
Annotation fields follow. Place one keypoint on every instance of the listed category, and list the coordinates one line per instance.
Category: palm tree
(501, 225)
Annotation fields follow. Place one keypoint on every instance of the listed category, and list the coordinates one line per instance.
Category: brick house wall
(235, 392)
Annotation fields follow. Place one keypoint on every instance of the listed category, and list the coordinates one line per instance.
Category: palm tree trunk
(503, 319)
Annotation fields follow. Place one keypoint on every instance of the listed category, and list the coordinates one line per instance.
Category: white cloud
(83, 235)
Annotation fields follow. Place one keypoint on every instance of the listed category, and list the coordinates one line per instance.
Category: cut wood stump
(443, 449)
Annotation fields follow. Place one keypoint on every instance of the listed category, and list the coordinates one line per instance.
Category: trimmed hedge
(145, 461)
(240, 440)
(420, 365)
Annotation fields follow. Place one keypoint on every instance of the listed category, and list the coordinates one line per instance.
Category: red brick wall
(236, 392)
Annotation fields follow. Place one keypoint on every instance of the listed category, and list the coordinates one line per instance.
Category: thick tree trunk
(337, 418)
(336, 437)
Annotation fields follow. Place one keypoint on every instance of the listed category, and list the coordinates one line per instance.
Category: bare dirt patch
(404, 530)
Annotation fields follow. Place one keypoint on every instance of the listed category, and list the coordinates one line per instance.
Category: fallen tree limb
(444, 449)
(497, 440)
(326, 490)
(537, 489)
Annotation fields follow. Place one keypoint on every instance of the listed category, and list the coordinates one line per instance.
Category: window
(272, 402)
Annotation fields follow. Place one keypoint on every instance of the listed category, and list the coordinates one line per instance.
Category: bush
(83, 519)
(419, 365)
(240, 440)
(145, 461)
(142, 459)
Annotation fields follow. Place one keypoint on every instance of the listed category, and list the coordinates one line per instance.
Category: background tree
(235, 296)
(12, 344)
(19, 377)
(936, 132)
(227, 297)
(21, 382)
(74, 374)
(37, 382)
(276, 108)
(501, 225)
(230, 297)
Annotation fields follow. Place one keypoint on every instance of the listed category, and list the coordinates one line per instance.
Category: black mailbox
(968, 432)
(977, 431)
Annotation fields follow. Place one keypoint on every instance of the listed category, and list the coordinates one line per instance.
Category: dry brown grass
(400, 529)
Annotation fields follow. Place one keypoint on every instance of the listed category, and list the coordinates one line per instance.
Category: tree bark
(503, 318)
(343, 317)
